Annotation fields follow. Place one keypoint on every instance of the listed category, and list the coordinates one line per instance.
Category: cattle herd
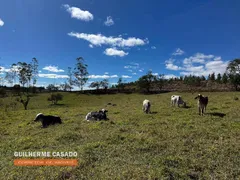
(47, 120)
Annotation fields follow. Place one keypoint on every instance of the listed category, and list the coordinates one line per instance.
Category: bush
(3, 92)
(55, 98)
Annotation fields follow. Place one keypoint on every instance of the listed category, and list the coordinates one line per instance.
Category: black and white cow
(100, 115)
(47, 120)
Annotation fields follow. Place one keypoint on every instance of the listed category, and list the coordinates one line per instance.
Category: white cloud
(99, 39)
(199, 64)
(90, 45)
(125, 76)
(115, 52)
(106, 73)
(134, 73)
(198, 58)
(109, 21)
(155, 74)
(140, 70)
(52, 76)
(169, 65)
(169, 76)
(153, 47)
(102, 76)
(78, 13)
(178, 52)
(1, 22)
(53, 69)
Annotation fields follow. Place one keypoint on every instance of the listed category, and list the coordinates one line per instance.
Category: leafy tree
(160, 81)
(55, 98)
(95, 85)
(65, 87)
(24, 73)
(70, 78)
(233, 70)
(224, 78)
(212, 77)
(52, 87)
(203, 78)
(80, 73)
(145, 82)
(120, 84)
(219, 78)
(104, 84)
(34, 67)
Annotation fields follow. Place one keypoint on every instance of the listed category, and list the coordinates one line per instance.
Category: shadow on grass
(154, 112)
(57, 105)
(186, 107)
(217, 114)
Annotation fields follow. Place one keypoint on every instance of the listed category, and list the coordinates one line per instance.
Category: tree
(34, 67)
(95, 85)
(52, 87)
(120, 84)
(80, 73)
(160, 81)
(104, 84)
(145, 82)
(233, 70)
(219, 78)
(212, 77)
(225, 78)
(65, 87)
(70, 78)
(203, 78)
(24, 73)
(55, 98)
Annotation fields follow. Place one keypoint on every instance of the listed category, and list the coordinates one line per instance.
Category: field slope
(170, 143)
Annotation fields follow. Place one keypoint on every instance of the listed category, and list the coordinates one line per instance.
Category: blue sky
(120, 38)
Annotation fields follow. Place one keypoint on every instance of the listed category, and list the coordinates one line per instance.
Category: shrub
(55, 98)
(3, 92)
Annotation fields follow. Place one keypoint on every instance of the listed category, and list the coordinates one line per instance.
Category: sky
(120, 38)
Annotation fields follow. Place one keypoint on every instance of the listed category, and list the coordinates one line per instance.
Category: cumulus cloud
(102, 76)
(53, 69)
(52, 76)
(198, 65)
(90, 45)
(198, 58)
(1, 22)
(169, 76)
(125, 76)
(109, 21)
(77, 13)
(153, 47)
(115, 52)
(171, 66)
(178, 52)
(99, 39)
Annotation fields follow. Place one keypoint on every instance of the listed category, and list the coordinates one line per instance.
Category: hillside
(169, 143)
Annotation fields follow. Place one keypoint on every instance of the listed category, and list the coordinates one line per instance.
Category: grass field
(170, 143)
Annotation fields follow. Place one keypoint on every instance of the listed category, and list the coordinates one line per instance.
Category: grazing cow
(47, 120)
(176, 100)
(202, 103)
(146, 106)
(100, 115)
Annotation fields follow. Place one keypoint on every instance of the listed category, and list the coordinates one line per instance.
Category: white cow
(146, 106)
(176, 100)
